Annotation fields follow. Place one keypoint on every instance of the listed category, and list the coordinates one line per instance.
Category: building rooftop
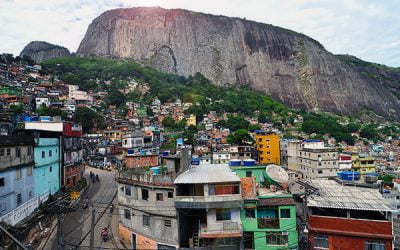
(207, 173)
(331, 194)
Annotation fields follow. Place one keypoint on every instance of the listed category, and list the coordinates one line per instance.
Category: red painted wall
(350, 233)
(70, 172)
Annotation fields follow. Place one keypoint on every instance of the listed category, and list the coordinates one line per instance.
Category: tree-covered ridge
(91, 73)
(114, 76)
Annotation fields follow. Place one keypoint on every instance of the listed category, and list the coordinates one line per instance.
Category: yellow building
(191, 120)
(363, 164)
(268, 147)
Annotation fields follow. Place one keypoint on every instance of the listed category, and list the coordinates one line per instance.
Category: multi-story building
(113, 135)
(348, 217)
(191, 120)
(148, 219)
(221, 157)
(268, 147)
(269, 212)
(345, 162)
(363, 164)
(73, 166)
(135, 140)
(16, 177)
(317, 161)
(208, 200)
(141, 160)
(242, 152)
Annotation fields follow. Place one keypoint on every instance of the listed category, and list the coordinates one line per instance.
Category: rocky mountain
(40, 51)
(288, 66)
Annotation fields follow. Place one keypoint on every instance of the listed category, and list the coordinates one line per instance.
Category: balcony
(221, 230)
(268, 223)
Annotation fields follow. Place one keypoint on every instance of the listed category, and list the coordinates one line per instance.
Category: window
(30, 194)
(29, 171)
(268, 153)
(170, 195)
(19, 199)
(277, 238)
(260, 139)
(51, 169)
(18, 152)
(285, 213)
(248, 173)
(221, 189)
(2, 152)
(167, 223)
(145, 194)
(29, 150)
(223, 214)
(320, 171)
(8, 151)
(43, 154)
(18, 173)
(374, 245)
(2, 182)
(250, 212)
(146, 220)
(127, 214)
(128, 190)
(50, 153)
(160, 197)
(321, 242)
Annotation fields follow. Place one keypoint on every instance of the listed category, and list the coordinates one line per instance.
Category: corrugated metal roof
(331, 194)
(207, 173)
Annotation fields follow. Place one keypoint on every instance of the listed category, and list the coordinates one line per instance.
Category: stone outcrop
(288, 66)
(40, 51)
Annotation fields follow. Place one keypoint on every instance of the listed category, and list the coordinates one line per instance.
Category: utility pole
(60, 234)
(91, 247)
(19, 244)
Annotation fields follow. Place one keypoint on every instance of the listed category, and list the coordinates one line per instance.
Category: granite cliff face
(286, 65)
(40, 51)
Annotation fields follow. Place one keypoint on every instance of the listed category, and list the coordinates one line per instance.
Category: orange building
(134, 161)
(268, 147)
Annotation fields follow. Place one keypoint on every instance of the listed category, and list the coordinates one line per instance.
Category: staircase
(195, 236)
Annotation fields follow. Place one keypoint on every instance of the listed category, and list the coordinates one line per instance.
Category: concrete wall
(159, 211)
(7, 161)
(47, 168)
(14, 186)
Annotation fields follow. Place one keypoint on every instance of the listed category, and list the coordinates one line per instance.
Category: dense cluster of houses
(272, 193)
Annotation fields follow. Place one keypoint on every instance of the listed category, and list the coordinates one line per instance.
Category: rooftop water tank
(349, 175)
(276, 174)
(249, 162)
(235, 162)
(155, 170)
(195, 161)
(165, 153)
(371, 178)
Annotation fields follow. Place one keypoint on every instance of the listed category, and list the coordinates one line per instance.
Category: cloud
(367, 29)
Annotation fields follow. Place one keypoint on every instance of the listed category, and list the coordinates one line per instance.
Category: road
(76, 226)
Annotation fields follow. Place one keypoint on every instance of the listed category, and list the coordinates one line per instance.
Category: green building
(269, 212)
(9, 90)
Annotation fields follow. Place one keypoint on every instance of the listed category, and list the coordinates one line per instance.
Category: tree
(116, 97)
(369, 132)
(237, 122)
(17, 109)
(168, 122)
(43, 110)
(88, 118)
(240, 137)
(253, 127)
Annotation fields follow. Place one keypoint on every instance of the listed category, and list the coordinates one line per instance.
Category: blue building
(16, 177)
(47, 164)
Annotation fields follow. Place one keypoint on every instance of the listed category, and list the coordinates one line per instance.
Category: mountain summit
(288, 66)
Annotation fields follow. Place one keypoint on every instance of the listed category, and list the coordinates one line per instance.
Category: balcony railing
(228, 227)
(268, 223)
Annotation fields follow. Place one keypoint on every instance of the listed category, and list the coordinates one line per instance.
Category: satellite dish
(277, 174)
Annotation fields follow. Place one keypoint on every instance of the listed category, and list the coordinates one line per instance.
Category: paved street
(77, 225)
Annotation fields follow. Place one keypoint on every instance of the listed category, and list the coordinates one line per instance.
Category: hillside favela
(200, 125)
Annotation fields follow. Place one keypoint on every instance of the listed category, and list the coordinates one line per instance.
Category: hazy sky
(368, 29)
